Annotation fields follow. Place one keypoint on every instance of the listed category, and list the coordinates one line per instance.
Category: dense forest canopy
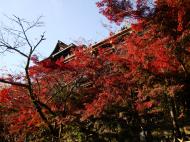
(135, 89)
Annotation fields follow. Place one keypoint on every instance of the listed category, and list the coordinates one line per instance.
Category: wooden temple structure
(63, 50)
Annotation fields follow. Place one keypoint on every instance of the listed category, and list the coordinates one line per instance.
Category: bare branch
(24, 32)
(41, 39)
(22, 37)
(12, 31)
(9, 47)
(13, 83)
(37, 23)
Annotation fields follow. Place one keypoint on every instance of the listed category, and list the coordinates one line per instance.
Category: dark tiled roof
(64, 50)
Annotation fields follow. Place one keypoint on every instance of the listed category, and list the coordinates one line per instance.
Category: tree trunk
(176, 129)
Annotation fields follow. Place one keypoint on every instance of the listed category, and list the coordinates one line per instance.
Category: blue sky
(66, 20)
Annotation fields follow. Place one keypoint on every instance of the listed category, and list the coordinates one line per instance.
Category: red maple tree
(144, 74)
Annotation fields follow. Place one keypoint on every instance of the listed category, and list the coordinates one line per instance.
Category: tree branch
(13, 83)
(41, 39)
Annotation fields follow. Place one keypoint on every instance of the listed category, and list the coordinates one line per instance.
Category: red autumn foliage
(153, 60)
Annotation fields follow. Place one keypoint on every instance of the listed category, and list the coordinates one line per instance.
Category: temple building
(63, 50)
